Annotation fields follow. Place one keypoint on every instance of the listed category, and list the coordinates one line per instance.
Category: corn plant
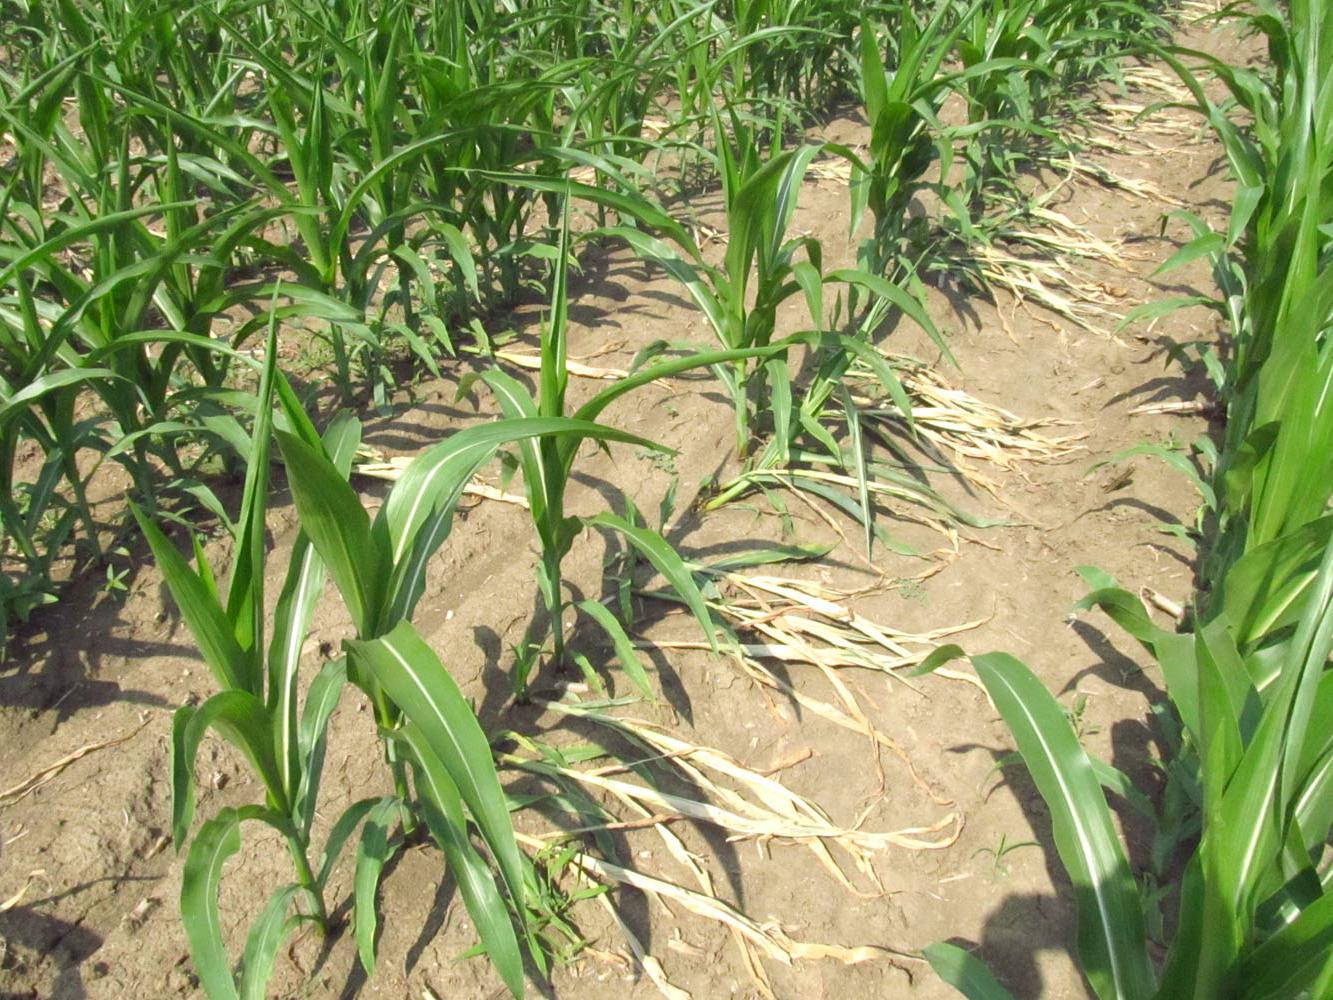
(258, 709)
(1274, 461)
(763, 267)
(902, 105)
(379, 568)
(1004, 107)
(547, 465)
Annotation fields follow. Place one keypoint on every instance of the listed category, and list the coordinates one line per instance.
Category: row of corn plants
(169, 165)
(1248, 801)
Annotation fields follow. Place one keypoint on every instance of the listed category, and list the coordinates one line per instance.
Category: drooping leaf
(418, 683)
(667, 561)
(198, 606)
(1112, 938)
(443, 809)
(266, 936)
(217, 840)
(964, 972)
(243, 721)
(625, 651)
(372, 853)
(341, 831)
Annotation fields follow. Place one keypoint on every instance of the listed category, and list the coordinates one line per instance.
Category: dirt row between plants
(100, 918)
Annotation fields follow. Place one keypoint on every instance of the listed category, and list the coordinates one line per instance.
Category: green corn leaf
(418, 683)
(1174, 653)
(809, 419)
(1112, 939)
(665, 369)
(779, 404)
(262, 943)
(1164, 307)
(241, 719)
(906, 303)
(372, 854)
(1290, 962)
(1201, 246)
(853, 416)
(1119, 783)
(629, 206)
(339, 528)
(16, 405)
(937, 658)
(461, 254)
(182, 777)
(811, 281)
(1226, 703)
(1248, 834)
(688, 272)
(216, 841)
(198, 605)
(291, 621)
(625, 652)
(838, 499)
(1264, 589)
(1313, 809)
(964, 972)
(78, 233)
(516, 403)
(321, 698)
(292, 418)
(874, 86)
(442, 806)
(767, 555)
(438, 473)
(341, 832)
(418, 514)
(245, 594)
(658, 551)
(554, 376)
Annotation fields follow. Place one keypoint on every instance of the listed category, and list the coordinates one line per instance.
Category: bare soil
(101, 920)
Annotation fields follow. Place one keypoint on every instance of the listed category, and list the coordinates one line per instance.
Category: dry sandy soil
(101, 919)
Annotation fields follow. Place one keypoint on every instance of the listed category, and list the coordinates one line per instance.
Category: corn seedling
(902, 105)
(379, 568)
(547, 465)
(259, 710)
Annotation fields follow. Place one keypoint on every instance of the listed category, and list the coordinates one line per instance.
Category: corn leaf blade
(1112, 939)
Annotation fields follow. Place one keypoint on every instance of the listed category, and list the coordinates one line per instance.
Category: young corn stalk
(258, 709)
(763, 267)
(379, 569)
(547, 465)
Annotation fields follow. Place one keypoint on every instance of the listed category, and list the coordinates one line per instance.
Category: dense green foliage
(186, 187)
(1249, 796)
